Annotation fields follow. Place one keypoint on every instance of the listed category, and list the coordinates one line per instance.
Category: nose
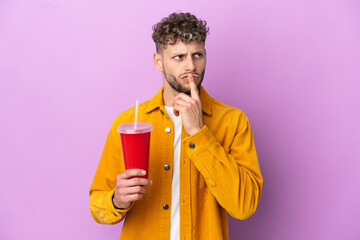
(190, 66)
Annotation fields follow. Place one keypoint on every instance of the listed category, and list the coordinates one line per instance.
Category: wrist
(119, 206)
(192, 132)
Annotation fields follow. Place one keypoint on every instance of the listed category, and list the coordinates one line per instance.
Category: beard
(176, 85)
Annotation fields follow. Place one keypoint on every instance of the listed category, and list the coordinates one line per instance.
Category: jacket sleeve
(231, 174)
(103, 186)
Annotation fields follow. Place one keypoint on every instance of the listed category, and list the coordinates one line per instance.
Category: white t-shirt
(175, 185)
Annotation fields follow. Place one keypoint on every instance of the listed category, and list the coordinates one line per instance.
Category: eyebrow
(195, 52)
(177, 54)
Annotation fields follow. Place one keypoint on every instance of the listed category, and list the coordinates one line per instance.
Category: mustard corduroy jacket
(220, 174)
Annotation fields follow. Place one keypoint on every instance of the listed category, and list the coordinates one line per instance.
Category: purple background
(68, 68)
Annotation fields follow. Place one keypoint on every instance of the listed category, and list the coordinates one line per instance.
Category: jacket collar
(157, 101)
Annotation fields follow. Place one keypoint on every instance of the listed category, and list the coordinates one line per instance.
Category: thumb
(176, 111)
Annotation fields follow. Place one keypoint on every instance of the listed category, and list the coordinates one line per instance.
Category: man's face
(179, 60)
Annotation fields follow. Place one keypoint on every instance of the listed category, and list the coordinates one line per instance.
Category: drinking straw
(136, 112)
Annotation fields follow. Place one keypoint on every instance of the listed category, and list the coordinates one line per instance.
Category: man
(203, 161)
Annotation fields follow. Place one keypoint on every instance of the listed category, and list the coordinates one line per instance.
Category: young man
(203, 161)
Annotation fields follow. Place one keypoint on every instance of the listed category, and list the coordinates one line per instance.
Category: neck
(168, 95)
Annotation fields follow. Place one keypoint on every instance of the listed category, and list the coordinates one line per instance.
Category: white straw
(136, 112)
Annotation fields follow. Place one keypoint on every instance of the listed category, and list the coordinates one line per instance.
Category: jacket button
(192, 146)
(167, 167)
(167, 130)
(165, 206)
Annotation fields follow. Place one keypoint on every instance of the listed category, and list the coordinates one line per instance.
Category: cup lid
(129, 128)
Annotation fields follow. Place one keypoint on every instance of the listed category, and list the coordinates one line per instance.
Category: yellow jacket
(220, 174)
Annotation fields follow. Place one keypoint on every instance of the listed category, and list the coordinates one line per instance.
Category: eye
(198, 55)
(178, 57)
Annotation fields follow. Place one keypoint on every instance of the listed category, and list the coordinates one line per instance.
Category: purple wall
(67, 68)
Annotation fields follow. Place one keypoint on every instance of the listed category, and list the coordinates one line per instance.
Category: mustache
(194, 74)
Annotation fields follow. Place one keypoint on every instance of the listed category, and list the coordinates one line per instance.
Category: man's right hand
(129, 189)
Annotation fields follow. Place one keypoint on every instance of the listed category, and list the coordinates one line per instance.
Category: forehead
(181, 47)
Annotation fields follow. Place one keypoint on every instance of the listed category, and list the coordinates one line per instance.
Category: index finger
(132, 173)
(193, 87)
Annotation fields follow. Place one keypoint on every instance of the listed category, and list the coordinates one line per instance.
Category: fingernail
(150, 182)
(143, 172)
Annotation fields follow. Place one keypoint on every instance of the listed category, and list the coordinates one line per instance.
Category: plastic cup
(135, 144)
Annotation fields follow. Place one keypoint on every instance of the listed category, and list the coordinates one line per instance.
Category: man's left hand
(190, 108)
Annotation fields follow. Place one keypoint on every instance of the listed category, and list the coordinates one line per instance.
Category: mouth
(186, 77)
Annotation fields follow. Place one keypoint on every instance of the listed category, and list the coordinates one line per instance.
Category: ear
(158, 61)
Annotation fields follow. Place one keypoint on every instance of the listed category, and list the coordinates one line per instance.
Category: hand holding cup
(129, 187)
